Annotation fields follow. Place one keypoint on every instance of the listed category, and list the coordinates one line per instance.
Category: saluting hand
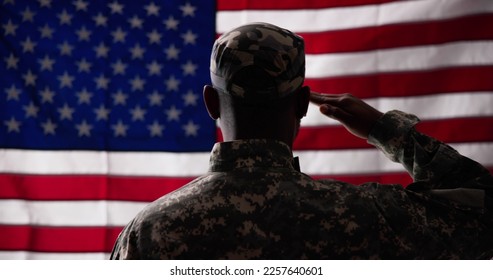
(357, 116)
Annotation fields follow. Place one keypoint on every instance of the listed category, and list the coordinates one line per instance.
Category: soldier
(254, 203)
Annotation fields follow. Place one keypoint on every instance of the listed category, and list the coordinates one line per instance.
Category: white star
(137, 113)
(84, 129)
(28, 45)
(66, 112)
(173, 114)
(84, 96)
(9, 28)
(31, 110)
(172, 83)
(156, 129)
(135, 22)
(154, 37)
(65, 18)
(116, 8)
(119, 67)
(102, 82)
(189, 37)
(189, 68)
(80, 5)
(119, 98)
(171, 23)
(190, 98)
(13, 125)
(120, 129)
(83, 65)
(11, 61)
(27, 15)
(29, 79)
(118, 35)
(191, 128)
(45, 3)
(12, 93)
(137, 51)
(83, 34)
(137, 83)
(188, 10)
(47, 95)
(66, 80)
(154, 68)
(172, 52)
(152, 9)
(100, 20)
(46, 31)
(102, 113)
(65, 48)
(101, 50)
(155, 99)
(46, 63)
(49, 127)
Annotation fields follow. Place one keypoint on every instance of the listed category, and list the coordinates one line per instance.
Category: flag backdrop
(101, 110)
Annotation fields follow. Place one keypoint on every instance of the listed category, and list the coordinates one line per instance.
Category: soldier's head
(257, 73)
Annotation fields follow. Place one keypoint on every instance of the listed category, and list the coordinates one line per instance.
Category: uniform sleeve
(124, 248)
(434, 166)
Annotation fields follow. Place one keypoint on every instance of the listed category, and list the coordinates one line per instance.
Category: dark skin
(282, 122)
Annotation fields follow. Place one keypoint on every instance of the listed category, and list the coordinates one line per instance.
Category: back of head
(258, 63)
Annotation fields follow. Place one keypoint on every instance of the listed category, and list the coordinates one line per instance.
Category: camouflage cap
(277, 52)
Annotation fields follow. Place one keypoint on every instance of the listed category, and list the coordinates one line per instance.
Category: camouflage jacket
(253, 204)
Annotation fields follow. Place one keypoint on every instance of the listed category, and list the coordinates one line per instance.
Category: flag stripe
(30, 255)
(314, 162)
(68, 213)
(58, 239)
(428, 107)
(323, 137)
(420, 58)
(224, 5)
(87, 187)
(37, 188)
(399, 84)
(319, 20)
(470, 27)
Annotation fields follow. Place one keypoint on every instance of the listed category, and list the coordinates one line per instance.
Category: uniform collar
(251, 154)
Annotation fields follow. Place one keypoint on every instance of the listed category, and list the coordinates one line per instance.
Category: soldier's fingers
(336, 113)
(325, 98)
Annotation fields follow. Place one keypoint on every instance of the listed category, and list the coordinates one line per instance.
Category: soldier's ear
(303, 97)
(211, 100)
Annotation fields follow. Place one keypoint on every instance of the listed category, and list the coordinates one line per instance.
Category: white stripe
(26, 255)
(68, 213)
(114, 163)
(373, 161)
(316, 162)
(439, 106)
(318, 20)
(400, 59)
(119, 213)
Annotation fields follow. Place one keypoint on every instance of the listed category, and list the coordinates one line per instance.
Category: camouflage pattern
(253, 204)
(276, 50)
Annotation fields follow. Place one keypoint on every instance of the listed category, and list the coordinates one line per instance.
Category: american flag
(101, 111)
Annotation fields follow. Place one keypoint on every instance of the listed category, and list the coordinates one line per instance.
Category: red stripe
(457, 79)
(401, 178)
(58, 239)
(84, 187)
(400, 35)
(228, 5)
(337, 137)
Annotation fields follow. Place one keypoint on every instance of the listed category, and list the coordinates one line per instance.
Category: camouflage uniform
(253, 204)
